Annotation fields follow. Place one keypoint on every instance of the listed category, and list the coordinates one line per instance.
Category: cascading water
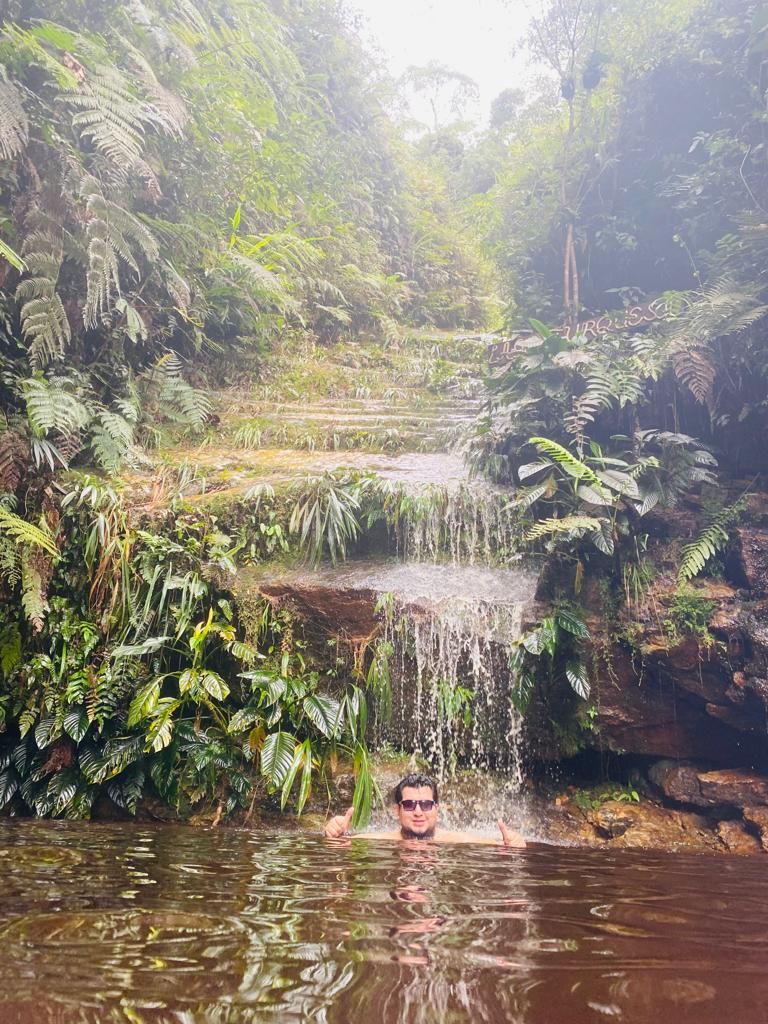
(441, 661)
(466, 525)
(446, 656)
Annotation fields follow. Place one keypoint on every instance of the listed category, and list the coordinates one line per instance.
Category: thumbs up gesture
(509, 837)
(336, 827)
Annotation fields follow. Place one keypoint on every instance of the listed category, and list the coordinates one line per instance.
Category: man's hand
(337, 827)
(508, 836)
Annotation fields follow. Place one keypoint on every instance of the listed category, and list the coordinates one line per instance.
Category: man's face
(417, 823)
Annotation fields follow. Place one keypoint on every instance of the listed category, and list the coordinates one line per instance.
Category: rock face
(687, 784)
(689, 700)
(752, 558)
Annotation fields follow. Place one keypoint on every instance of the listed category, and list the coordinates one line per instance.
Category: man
(416, 808)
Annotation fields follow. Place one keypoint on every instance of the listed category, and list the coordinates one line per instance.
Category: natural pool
(149, 924)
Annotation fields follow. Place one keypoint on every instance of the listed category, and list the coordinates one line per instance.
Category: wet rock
(649, 826)
(349, 613)
(736, 839)
(678, 782)
(757, 817)
(728, 787)
(752, 558)
(734, 786)
(657, 705)
(613, 819)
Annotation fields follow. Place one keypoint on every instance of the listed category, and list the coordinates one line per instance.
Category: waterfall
(467, 526)
(447, 666)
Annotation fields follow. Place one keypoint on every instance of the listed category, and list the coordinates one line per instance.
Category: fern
(33, 586)
(568, 524)
(177, 399)
(44, 323)
(569, 463)
(14, 457)
(112, 436)
(111, 114)
(14, 127)
(713, 538)
(694, 369)
(51, 405)
(597, 395)
(113, 233)
(26, 533)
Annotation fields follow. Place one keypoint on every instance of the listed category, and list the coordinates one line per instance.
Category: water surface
(136, 923)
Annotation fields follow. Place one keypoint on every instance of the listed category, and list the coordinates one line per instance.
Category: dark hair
(415, 780)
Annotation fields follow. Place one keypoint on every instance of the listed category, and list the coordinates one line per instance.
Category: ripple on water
(248, 926)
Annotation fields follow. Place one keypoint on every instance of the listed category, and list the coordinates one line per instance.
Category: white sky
(473, 36)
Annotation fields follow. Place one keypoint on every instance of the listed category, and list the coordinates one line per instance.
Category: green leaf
(188, 680)
(148, 646)
(144, 703)
(160, 732)
(277, 755)
(323, 712)
(26, 533)
(572, 624)
(531, 468)
(76, 723)
(214, 685)
(9, 783)
(603, 540)
(13, 257)
(621, 483)
(46, 732)
(577, 677)
(243, 719)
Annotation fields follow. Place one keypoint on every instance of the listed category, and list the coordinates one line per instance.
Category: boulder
(729, 787)
(734, 786)
(757, 817)
(736, 839)
(751, 568)
(650, 827)
(678, 782)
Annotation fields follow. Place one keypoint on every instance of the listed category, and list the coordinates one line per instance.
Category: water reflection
(103, 923)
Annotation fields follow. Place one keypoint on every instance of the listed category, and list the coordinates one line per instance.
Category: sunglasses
(411, 805)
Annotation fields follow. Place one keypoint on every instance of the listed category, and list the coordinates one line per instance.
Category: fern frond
(166, 108)
(112, 232)
(14, 458)
(111, 438)
(255, 275)
(177, 287)
(713, 538)
(568, 524)
(597, 395)
(694, 369)
(569, 463)
(14, 127)
(44, 323)
(178, 400)
(696, 555)
(25, 533)
(52, 406)
(723, 308)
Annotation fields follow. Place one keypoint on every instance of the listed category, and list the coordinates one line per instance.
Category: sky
(474, 38)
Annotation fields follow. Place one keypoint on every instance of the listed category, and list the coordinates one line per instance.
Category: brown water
(134, 923)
